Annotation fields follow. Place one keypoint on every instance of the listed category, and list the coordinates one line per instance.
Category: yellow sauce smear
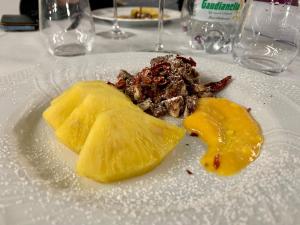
(233, 137)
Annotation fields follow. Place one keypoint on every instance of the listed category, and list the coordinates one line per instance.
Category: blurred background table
(23, 50)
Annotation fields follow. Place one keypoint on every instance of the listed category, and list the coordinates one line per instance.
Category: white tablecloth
(24, 50)
(21, 51)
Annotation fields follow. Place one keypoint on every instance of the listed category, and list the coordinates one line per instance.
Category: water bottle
(213, 23)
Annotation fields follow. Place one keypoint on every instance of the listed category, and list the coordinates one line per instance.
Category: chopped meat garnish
(198, 89)
(110, 83)
(159, 68)
(121, 83)
(123, 74)
(137, 92)
(159, 110)
(189, 172)
(159, 59)
(175, 88)
(190, 105)
(146, 105)
(194, 134)
(218, 86)
(217, 161)
(187, 60)
(170, 85)
(174, 105)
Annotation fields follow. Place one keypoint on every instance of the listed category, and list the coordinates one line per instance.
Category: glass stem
(161, 6)
(116, 27)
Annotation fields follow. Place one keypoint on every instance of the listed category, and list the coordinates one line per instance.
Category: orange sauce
(232, 136)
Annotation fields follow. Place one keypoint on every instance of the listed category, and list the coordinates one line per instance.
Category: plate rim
(197, 57)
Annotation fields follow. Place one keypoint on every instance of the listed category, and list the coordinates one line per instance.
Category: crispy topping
(194, 134)
(146, 105)
(110, 83)
(159, 110)
(190, 105)
(174, 105)
(170, 86)
(217, 86)
(189, 172)
(187, 60)
(217, 161)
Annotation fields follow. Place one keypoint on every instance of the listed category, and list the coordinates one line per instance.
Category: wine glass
(116, 32)
(161, 7)
(159, 45)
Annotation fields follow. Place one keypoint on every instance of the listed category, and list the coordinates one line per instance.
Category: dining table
(24, 58)
(24, 50)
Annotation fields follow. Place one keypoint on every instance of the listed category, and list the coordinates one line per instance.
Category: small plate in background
(106, 14)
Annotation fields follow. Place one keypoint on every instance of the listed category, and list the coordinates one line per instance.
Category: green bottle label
(217, 10)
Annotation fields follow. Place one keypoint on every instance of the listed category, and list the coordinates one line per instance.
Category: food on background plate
(142, 13)
(169, 86)
(233, 137)
(115, 139)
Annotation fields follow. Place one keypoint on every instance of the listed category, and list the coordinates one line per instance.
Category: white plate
(106, 14)
(38, 184)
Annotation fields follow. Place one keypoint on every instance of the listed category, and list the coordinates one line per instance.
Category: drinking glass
(161, 7)
(268, 38)
(67, 26)
(116, 32)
